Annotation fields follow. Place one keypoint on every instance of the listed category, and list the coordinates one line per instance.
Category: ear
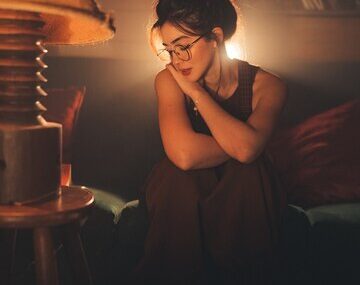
(219, 36)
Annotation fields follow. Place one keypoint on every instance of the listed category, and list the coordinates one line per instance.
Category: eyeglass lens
(180, 52)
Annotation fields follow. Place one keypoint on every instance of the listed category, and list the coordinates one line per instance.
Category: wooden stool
(66, 211)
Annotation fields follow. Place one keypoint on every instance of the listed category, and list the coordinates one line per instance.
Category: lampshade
(68, 21)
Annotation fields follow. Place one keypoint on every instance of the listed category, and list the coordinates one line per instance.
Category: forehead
(169, 32)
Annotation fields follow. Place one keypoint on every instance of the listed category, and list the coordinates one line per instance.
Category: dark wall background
(117, 139)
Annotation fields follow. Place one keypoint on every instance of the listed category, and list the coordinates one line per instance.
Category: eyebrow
(177, 39)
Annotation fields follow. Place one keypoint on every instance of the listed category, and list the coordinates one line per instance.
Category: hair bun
(198, 15)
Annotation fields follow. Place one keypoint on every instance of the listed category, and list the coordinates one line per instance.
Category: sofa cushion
(109, 202)
(321, 245)
(99, 234)
(318, 160)
(348, 213)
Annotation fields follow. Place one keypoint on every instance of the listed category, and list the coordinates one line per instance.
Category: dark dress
(216, 225)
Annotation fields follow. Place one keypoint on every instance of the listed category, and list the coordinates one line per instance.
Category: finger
(171, 69)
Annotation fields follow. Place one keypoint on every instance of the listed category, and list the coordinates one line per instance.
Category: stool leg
(45, 258)
(7, 249)
(75, 254)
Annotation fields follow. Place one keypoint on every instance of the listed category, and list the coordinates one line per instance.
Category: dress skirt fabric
(211, 224)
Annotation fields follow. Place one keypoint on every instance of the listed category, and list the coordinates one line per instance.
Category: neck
(213, 80)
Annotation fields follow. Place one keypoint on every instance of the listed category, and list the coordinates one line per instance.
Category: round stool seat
(64, 212)
(71, 205)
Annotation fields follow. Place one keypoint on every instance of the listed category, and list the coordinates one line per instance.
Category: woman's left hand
(188, 87)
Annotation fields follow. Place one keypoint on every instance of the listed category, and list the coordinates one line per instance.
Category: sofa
(318, 161)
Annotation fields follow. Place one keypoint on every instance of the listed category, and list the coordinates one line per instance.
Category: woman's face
(202, 52)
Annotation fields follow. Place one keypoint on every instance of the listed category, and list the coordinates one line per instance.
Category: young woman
(214, 202)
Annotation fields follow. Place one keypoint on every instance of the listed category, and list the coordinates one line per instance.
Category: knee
(236, 166)
(170, 171)
(167, 180)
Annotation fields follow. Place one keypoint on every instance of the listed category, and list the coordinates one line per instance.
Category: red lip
(186, 72)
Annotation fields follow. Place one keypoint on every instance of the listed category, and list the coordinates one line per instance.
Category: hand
(188, 87)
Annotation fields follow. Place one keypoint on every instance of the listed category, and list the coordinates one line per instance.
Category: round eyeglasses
(182, 52)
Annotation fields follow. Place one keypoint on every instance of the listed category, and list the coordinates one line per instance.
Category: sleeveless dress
(216, 225)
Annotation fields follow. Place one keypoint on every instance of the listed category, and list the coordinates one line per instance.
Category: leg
(45, 259)
(240, 221)
(8, 244)
(75, 254)
(173, 247)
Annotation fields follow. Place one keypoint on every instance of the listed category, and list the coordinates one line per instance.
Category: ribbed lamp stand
(30, 158)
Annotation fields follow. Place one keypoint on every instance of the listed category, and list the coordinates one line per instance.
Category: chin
(191, 78)
(194, 77)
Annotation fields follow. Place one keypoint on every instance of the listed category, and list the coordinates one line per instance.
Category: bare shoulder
(165, 80)
(163, 75)
(166, 86)
(268, 85)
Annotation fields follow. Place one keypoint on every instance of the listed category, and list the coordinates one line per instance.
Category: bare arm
(179, 139)
(244, 141)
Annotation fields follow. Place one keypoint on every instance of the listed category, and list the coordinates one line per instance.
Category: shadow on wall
(117, 138)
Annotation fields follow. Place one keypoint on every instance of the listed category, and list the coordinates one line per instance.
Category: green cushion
(338, 213)
(109, 202)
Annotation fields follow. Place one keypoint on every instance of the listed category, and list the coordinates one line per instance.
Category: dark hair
(196, 17)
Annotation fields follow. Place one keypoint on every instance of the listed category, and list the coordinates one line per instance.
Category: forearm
(233, 136)
(204, 152)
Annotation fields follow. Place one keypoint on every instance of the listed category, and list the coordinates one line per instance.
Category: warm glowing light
(234, 50)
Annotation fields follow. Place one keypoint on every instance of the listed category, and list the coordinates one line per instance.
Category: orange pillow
(318, 160)
(63, 105)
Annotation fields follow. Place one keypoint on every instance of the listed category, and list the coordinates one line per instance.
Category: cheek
(201, 61)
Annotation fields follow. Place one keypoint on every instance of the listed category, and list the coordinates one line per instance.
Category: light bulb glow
(234, 50)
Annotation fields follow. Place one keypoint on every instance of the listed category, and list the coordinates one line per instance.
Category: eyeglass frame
(186, 47)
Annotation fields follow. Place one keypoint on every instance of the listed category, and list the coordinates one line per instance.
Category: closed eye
(181, 47)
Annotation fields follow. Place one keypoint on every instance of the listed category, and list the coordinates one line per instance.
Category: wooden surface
(72, 205)
(66, 210)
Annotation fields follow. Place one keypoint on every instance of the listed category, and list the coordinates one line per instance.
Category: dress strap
(246, 77)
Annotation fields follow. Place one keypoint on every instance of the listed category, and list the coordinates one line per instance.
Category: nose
(175, 60)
